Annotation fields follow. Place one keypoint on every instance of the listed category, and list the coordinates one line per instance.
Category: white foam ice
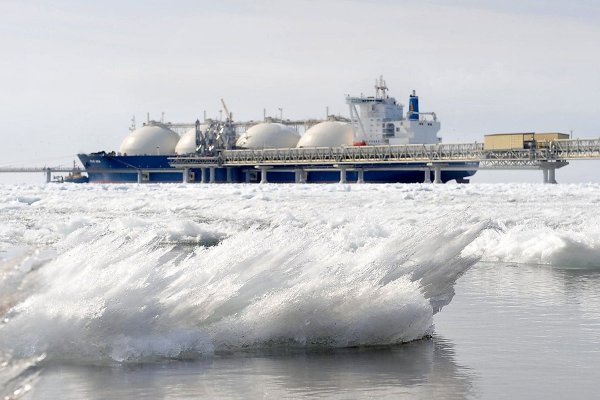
(152, 271)
(547, 225)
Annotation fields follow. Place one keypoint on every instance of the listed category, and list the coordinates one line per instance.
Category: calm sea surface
(511, 331)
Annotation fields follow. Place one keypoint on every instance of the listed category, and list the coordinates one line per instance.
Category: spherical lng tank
(153, 138)
(187, 143)
(268, 135)
(328, 134)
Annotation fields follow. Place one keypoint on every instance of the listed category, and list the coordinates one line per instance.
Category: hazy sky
(72, 73)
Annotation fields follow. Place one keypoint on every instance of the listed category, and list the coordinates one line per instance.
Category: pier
(49, 172)
(432, 159)
(423, 157)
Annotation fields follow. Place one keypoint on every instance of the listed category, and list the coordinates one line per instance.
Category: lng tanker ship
(147, 154)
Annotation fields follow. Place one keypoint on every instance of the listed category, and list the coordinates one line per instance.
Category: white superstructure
(380, 119)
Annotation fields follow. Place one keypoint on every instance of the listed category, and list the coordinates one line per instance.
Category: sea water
(292, 291)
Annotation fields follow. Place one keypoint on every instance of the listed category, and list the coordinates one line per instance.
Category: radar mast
(380, 88)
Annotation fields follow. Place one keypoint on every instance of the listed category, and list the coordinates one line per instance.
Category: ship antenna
(132, 127)
(380, 88)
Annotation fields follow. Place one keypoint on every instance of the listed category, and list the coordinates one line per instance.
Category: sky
(73, 73)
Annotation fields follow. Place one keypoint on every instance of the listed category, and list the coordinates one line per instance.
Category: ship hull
(106, 168)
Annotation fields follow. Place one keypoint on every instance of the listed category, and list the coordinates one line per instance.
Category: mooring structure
(431, 159)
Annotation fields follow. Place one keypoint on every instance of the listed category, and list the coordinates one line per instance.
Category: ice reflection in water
(534, 326)
(422, 369)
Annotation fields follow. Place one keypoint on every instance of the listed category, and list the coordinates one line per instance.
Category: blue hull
(156, 170)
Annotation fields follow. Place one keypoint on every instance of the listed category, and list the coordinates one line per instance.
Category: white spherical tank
(153, 138)
(187, 143)
(328, 134)
(268, 136)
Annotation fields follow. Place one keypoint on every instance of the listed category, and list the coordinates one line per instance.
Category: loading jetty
(525, 152)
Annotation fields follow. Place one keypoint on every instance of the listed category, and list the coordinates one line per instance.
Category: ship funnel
(413, 107)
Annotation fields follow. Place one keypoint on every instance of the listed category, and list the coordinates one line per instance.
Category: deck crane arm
(229, 116)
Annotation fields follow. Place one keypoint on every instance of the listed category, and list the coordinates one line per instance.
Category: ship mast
(380, 88)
